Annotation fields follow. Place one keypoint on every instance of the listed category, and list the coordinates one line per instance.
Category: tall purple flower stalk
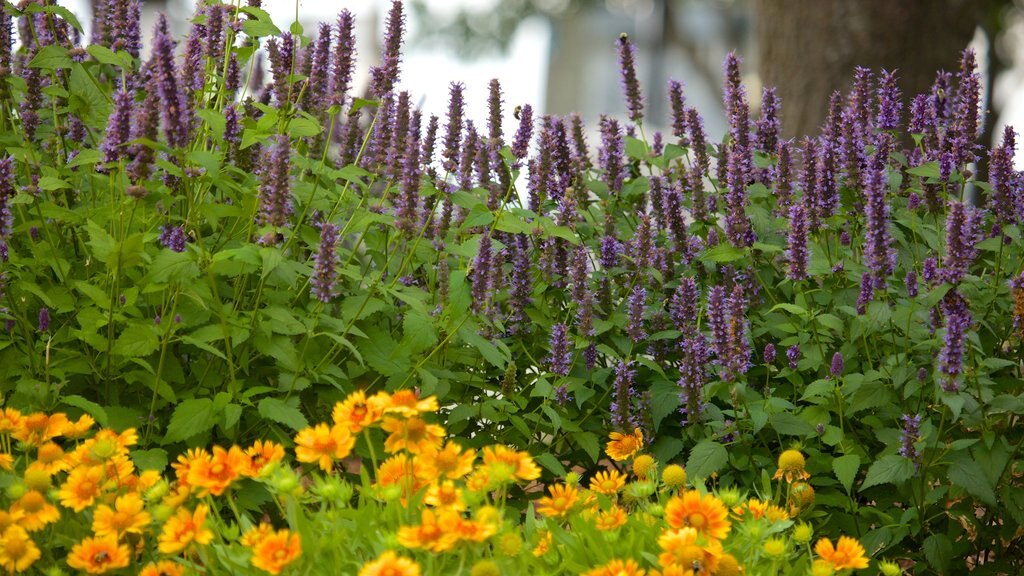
(325, 268)
(797, 255)
(123, 22)
(637, 307)
(453, 132)
(175, 109)
(1007, 203)
(867, 293)
(769, 353)
(693, 375)
(683, 305)
(384, 77)
(737, 359)
(630, 83)
(879, 256)
(560, 359)
(958, 322)
(522, 280)
(482, 274)
(622, 394)
(962, 227)
(7, 192)
(890, 103)
(769, 126)
(44, 319)
(967, 111)
(611, 154)
(680, 117)
(910, 432)
(344, 58)
(275, 185)
(521, 141)
(118, 127)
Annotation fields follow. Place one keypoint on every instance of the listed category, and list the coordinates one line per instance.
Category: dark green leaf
(706, 457)
(891, 469)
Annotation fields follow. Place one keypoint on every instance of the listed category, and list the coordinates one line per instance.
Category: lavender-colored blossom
(836, 370)
(611, 154)
(797, 254)
(962, 227)
(173, 237)
(930, 271)
(610, 250)
(175, 108)
(275, 185)
(481, 274)
(698, 141)
(630, 83)
(7, 192)
(737, 360)
(879, 255)
(318, 93)
(193, 73)
(1017, 293)
(622, 394)
(958, 322)
(560, 359)
(470, 147)
(913, 201)
(683, 306)
(522, 280)
(793, 356)
(910, 281)
(384, 77)
(118, 127)
(783, 178)
(769, 126)
(867, 293)
(282, 58)
(325, 268)
(680, 116)
(910, 433)
(344, 58)
(890, 102)
(123, 22)
(967, 112)
(825, 171)
(453, 132)
(1007, 195)
(44, 319)
(562, 395)
(769, 353)
(922, 115)
(637, 307)
(693, 375)
(521, 141)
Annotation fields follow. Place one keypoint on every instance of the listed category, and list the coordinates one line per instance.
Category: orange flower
(436, 532)
(402, 471)
(611, 519)
(37, 428)
(617, 568)
(608, 482)
(623, 446)
(215, 473)
(37, 511)
(444, 495)
(163, 568)
(9, 518)
(256, 534)
(543, 544)
(17, 551)
(412, 434)
(6, 461)
(185, 461)
(563, 498)
(98, 555)
(10, 420)
(263, 453)
(451, 462)
(184, 528)
(848, 553)
(390, 564)
(408, 403)
(759, 509)
(75, 430)
(323, 444)
(522, 465)
(276, 550)
(128, 516)
(357, 412)
(705, 514)
(81, 488)
(49, 459)
(687, 548)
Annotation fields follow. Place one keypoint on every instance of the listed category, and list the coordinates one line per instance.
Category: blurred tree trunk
(809, 48)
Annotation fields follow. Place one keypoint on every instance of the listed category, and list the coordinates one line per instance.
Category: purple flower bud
(384, 77)
(325, 269)
(769, 126)
(879, 256)
(867, 293)
(911, 283)
(630, 84)
(930, 271)
(453, 133)
(683, 306)
(611, 154)
(44, 319)
(958, 322)
(118, 127)
(610, 250)
(637, 307)
(909, 435)
(7, 192)
(793, 356)
(123, 22)
(275, 185)
(521, 142)
(176, 119)
(173, 237)
(1007, 194)
(622, 394)
(890, 103)
(318, 94)
(769, 353)
(343, 63)
(680, 116)
(560, 359)
(966, 119)
(922, 374)
(837, 365)
(913, 201)
(962, 228)
(797, 255)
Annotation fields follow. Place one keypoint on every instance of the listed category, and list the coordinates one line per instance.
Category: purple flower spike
(384, 77)
(275, 185)
(867, 293)
(630, 83)
(911, 282)
(481, 290)
(344, 58)
(521, 142)
(962, 227)
(560, 359)
(118, 127)
(637, 307)
(836, 370)
(325, 270)
(769, 126)
(879, 256)
(44, 319)
(611, 154)
(680, 115)
(7, 192)
(793, 356)
(175, 115)
(453, 133)
(958, 322)
(890, 103)
(622, 394)
(798, 256)
(967, 112)
(769, 353)
(909, 435)
(173, 237)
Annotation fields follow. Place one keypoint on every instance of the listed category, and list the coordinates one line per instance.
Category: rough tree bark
(809, 48)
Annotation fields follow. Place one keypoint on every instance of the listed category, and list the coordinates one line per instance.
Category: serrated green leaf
(152, 459)
(722, 253)
(282, 412)
(51, 57)
(192, 417)
(969, 475)
(891, 469)
(548, 460)
(91, 408)
(706, 458)
(845, 468)
(137, 340)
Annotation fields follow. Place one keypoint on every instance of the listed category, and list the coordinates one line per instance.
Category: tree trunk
(809, 48)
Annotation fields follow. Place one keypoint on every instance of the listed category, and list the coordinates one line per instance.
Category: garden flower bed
(291, 325)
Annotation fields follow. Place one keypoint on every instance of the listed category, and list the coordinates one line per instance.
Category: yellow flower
(17, 551)
(98, 555)
(357, 411)
(802, 533)
(401, 471)
(522, 465)
(847, 553)
(38, 512)
(81, 488)
(759, 509)
(607, 482)
(643, 465)
(163, 568)
(38, 428)
(262, 454)
(728, 565)
(184, 528)
(128, 516)
(214, 473)
(407, 403)
(705, 514)
(50, 459)
(10, 420)
(611, 519)
(6, 461)
(801, 495)
(436, 532)
(276, 550)
(444, 495)
(623, 446)
(774, 547)
(791, 465)
(627, 567)
(185, 461)
(80, 428)
(563, 498)
(390, 564)
(673, 476)
(323, 444)
(452, 462)
(412, 434)
(687, 548)
(543, 544)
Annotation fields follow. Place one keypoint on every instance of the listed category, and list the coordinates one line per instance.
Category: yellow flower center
(696, 520)
(690, 555)
(32, 502)
(15, 548)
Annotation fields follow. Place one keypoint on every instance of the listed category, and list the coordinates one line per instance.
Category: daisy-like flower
(358, 412)
(451, 462)
(38, 428)
(848, 553)
(213, 474)
(9, 518)
(98, 555)
(81, 488)
(562, 500)
(543, 544)
(611, 519)
(412, 434)
(791, 466)
(163, 568)
(522, 464)
(10, 420)
(184, 463)
(691, 550)
(706, 514)
(623, 446)
(128, 516)
(608, 482)
(276, 550)
(408, 403)
(444, 494)
(400, 470)
(437, 531)
(261, 454)
(6, 461)
(17, 550)
(49, 459)
(323, 444)
(758, 509)
(256, 534)
(185, 528)
(390, 564)
(36, 511)
(79, 428)
(627, 567)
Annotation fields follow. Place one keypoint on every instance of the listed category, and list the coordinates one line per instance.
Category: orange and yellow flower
(522, 465)
(323, 444)
(689, 549)
(214, 473)
(608, 482)
(262, 454)
(357, 411)
(128, 516)
(38, 428)
(624, 446)
(79, 428)
(706, 514)
(791, 466)
(10, 420)
(185, 461)
(185, 528)
(17, 550)
(97, 555)
(163, 568)
(611, 519)
(437, 531)
(402, 471)
(444, 494)
(451, 462)
(848, 553)
(49, 459)
(83, 485)
(543, 544)
(412, 434)
(36, 511)
(6, 461)
(276, 550)
(390, 564)
(627, 567)
(759, 509)
(561, 501)
(407, 403)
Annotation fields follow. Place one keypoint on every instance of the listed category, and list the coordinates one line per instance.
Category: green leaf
(137, 340)
(968, 474)
(282, 412)
(51, 183)
(590, 444)
(175, 266)
(86, 157)
(845, 468)
(91, 408)
(722, 253)
(939, 551)
(107, 56)
(891, 469)
(51, 57)
(667, 447)
(191, 417)
(487, 349)
(926, 170)
(706, 457)
(790, 424)
(548, 460)
(283, 322)
(303, 127)
(152, 459)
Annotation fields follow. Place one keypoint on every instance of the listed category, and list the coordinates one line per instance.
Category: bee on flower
(97, 555)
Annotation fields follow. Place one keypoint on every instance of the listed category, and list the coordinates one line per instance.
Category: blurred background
(559, 55)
